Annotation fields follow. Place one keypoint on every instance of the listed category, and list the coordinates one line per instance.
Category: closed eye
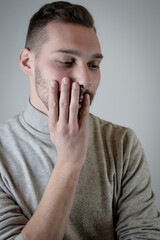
(67, 63)
(93, 66)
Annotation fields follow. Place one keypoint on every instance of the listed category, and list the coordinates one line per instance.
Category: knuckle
(73, 131)
(63, 130)
(53, 104)
(74, 108)
(83, 113)
(63, 105)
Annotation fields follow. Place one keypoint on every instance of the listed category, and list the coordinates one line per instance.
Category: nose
(81, 74)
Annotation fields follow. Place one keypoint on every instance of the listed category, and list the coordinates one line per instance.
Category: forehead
(81, 38)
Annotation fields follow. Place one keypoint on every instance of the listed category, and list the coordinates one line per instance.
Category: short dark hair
(59, 11)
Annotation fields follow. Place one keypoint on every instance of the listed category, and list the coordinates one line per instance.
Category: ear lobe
(25, 61)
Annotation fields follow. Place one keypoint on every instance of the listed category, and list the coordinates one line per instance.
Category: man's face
(71, 51)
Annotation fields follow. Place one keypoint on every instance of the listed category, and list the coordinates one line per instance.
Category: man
(66, 174)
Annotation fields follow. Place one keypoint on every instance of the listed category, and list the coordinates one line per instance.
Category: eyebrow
(78, 53)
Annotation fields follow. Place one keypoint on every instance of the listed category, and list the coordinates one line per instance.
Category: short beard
(41, 88)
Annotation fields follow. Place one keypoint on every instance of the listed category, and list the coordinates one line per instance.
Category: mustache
(83, 91)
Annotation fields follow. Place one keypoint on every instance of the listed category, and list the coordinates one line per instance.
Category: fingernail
(53, 84)
(87, 96)
(75, 85)
(65, 80)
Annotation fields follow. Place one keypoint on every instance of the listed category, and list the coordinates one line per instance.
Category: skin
(70, 58)
(49, 64)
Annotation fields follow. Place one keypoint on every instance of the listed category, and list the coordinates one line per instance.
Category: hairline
(43, 31)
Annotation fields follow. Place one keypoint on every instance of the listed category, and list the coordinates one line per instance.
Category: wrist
(68, 167)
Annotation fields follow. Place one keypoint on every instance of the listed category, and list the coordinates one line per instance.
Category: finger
(64, 100)
(53, 103)
(84, 112)
(74, 104)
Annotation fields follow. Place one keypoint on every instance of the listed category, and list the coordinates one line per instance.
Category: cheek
(96, 81)
(51, 73)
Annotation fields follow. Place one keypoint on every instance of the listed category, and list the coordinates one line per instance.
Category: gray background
(129, 32)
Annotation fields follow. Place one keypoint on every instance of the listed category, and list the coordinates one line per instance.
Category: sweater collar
(37, 122)
(36, 119)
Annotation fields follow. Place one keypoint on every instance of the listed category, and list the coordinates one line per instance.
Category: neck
(38, 104)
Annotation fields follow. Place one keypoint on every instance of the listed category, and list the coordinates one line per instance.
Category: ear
(26, 61)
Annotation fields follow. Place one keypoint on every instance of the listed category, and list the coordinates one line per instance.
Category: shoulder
(112, 134)
(9, 123)
(9, 128)
(105, 127)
